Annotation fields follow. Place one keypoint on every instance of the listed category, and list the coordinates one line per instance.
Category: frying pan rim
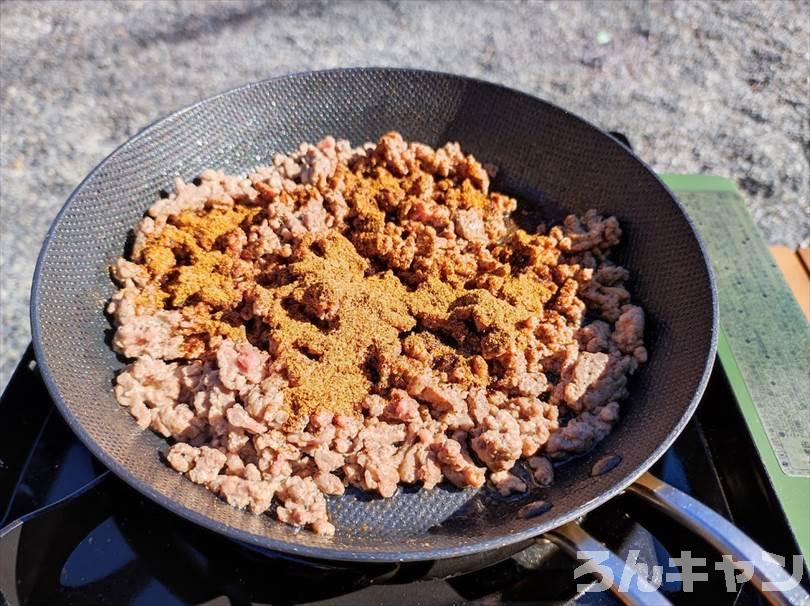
(402, 552)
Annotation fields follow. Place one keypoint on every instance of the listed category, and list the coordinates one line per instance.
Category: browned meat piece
(583, 431)
(592, 231)
(629, 333)
(378, 458)
(542, 470)
(182, 457)
(419, 463)
(201, 465)
(146, 384)
(470, 226)
(328, 483)
(507, 483)
(595, 337)
(593, 380)
(499, 444)
(457, 466)
(304, 505)
(254, 495)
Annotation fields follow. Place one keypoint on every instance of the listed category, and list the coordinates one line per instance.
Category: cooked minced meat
(368, 317)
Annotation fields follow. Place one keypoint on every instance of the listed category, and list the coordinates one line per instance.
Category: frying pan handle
(626, 584)
(777, 586)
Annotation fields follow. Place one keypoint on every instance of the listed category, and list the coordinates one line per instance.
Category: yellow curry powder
(332, 312)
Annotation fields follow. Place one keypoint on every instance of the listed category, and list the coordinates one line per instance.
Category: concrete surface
(717, 88)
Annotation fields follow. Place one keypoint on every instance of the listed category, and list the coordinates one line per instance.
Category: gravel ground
(698, 87)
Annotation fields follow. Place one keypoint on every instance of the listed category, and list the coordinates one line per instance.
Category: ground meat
(328, 483)
(592, 380)
(182, 456)
(303, 505)
(368, 317)
(470, 226)
(148, 384)
(568, 303)
(629, 333)
(154, 335)
(238, 417)
(240, 365)
(129, 274)
(202, 465)
(207, 465)
(589, 232)
(583, 431)
(507, 483)
(213, 186)
(536, 420)
(265, 402)
(401, 407)
(328, 460)
(254, 495)
(595, 337)
(457, 466)
(477, 405)
(178, 422)
(376, 464)
(419, 462)
(542, 470)
(605, 293)
(498, 444)
(444, 398)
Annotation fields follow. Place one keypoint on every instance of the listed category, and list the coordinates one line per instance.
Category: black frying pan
(553, 161)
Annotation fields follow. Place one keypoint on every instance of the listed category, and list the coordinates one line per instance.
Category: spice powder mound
(368, 317)
(325, 324)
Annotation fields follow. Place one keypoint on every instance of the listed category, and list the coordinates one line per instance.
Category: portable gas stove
(82, 536)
